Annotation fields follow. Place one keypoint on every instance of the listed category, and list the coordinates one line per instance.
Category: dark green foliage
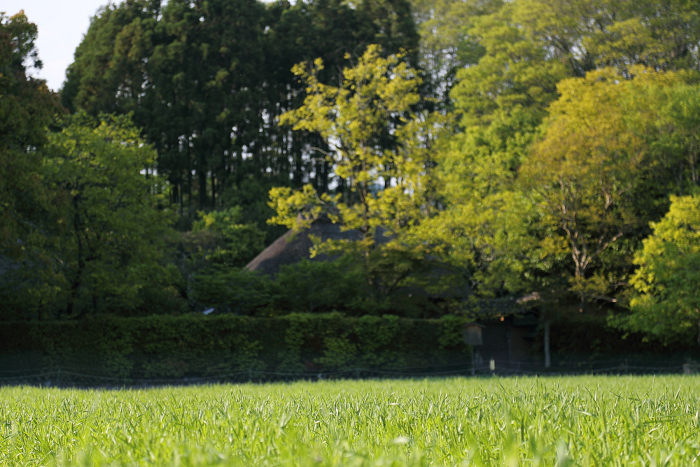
(105, 236)
(207, 82)
(27, 106)
(195, 345)
(340, 285)
(232, 290)
(323, 286)
(234, 243)
(587, 335)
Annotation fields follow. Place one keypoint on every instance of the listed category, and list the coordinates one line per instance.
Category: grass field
(601, 421)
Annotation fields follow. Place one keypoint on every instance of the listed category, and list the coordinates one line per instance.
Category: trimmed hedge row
(196, 345)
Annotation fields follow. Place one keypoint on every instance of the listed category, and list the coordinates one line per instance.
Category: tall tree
(387, 187)
(587, 167)
(445, 45)
(207, 81)
(111, 232)
(27, 107)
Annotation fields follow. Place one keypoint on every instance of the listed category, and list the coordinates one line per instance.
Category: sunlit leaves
(374, 138)
(667, 298)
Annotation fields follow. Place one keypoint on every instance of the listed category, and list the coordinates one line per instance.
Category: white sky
(62, 24)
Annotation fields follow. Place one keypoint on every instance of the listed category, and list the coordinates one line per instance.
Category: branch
(321, 150)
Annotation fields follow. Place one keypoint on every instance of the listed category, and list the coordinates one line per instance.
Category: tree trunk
(189, 180)
(547, 356)
(202, 177)
(75, 284)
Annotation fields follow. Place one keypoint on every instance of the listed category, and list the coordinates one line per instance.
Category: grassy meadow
(601, 421)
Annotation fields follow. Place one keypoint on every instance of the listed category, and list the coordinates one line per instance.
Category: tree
(207, 82)
(592, 34)
(110, 234)
(445, 45)
(355, 120)
(510, 72)
(27, 107)
(586, 169)
(371, 131)
(666, 114)
(666, 302)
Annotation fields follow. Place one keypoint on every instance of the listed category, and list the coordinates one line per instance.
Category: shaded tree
(27, 107)
(111, 229)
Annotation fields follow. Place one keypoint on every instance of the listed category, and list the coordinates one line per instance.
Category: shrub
(197, 345)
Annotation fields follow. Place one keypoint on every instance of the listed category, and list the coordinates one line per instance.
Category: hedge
(196, 345)
(578, 334)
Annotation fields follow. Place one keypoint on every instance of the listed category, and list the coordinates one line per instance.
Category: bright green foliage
(589, 34)
(26, 108)
(514, 72)
(484, 219)
(520, 206)
(585, 169)
(516, 54)
(354, 120)
(381, 153)
(667, 300)
(110, 230)
(666, 115)
(625, 421)
(297, 209)
(486, 227)
(649, 32)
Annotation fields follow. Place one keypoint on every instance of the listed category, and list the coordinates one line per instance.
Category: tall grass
(596, 421)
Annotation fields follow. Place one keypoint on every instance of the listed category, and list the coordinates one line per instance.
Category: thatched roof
(292, 247)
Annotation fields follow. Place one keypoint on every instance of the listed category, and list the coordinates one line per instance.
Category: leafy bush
(196, 345)
(233, 243)
(322, 286)
(234, 290)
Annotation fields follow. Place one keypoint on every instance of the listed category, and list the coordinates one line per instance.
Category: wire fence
(68, 377)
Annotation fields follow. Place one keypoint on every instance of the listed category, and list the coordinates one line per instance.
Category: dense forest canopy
(207, 82)
(481, 148)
